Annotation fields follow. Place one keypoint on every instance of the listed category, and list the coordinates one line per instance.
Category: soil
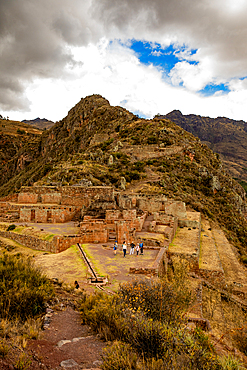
(64, 343)
(66, 339)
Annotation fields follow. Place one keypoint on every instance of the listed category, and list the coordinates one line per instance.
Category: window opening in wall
(49, 216)
(32, 214)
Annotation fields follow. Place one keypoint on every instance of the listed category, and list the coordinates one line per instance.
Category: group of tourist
(132, 248)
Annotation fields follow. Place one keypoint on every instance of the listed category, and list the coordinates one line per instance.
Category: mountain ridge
(40, 123)
(100, 144)
(223, 135)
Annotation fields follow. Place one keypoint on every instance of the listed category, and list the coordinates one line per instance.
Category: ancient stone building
(105, 215)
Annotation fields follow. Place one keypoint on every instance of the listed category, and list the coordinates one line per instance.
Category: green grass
(24, 289)
(48, 237)
(96, 263)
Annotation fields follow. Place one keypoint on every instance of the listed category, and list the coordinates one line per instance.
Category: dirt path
(66, 344)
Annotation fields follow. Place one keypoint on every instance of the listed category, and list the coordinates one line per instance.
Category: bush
(240, 338)
(21, 132)
(23, 288)
(152, 140)
(11, 227)
(119, 356)
(144, 318)
(231, 363)
(4, 348)
(159, 300)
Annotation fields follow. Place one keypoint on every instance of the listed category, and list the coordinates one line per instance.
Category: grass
(23, 288)
(48, 237)
(96, 263)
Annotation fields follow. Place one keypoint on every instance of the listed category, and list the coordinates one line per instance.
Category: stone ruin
(105, 215)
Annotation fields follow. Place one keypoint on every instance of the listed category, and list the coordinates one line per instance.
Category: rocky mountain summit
(98, 144)
(40, 123)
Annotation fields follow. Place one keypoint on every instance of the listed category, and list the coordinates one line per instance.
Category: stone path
(66, 344)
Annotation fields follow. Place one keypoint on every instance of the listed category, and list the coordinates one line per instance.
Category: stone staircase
(147, 223)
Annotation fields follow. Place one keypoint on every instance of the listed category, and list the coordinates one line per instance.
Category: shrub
(23, 362)
(231, 363)
(23, 288)
(139, 166)
(119, 356)
(240, 338)
(132, 175)
(21, 132)
(158, 299)
(144, 318)
(4, 348)
(11, 227)
(106, 144)
(152, 140)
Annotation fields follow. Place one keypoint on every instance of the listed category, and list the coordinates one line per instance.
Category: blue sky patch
(165, 58)
(211, 89)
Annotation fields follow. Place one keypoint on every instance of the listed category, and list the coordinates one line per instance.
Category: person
(141, 247)
(115, 247)
(137, 249)
(124, 248)
(132, 248)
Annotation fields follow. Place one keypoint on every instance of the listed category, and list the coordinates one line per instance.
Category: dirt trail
(66, 344)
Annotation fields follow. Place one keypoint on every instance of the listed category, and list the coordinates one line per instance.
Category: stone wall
(192, 220)
(152, 204)
(65, 195)
(95, 231)
(159, 267)
(212, 276)
(47, 213)
(140, 152)
(29, 241)
(8, 212)
(27, 198)
(58, 244)
(63, 242)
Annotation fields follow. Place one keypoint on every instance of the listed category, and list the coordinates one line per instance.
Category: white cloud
(53, 54)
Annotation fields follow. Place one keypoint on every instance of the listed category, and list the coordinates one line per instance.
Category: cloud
(208, 25)
(67, 48)
(35, 41)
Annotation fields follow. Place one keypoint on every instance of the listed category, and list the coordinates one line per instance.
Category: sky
(148, 56)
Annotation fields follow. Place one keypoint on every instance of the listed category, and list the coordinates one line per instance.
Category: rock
(62, 342)
(97, 363)
(122, 183)
(69, 364)
(215, 184)
(110, 160)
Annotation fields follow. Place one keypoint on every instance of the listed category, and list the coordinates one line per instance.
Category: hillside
(40, 123)
(19, 144)
(99, 144)
(223, 135)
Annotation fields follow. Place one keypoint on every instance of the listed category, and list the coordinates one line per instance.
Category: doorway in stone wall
(49, 216)
(32, 215)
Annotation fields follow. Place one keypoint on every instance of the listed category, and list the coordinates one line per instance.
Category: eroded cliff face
(98, 144)
(19, 146)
